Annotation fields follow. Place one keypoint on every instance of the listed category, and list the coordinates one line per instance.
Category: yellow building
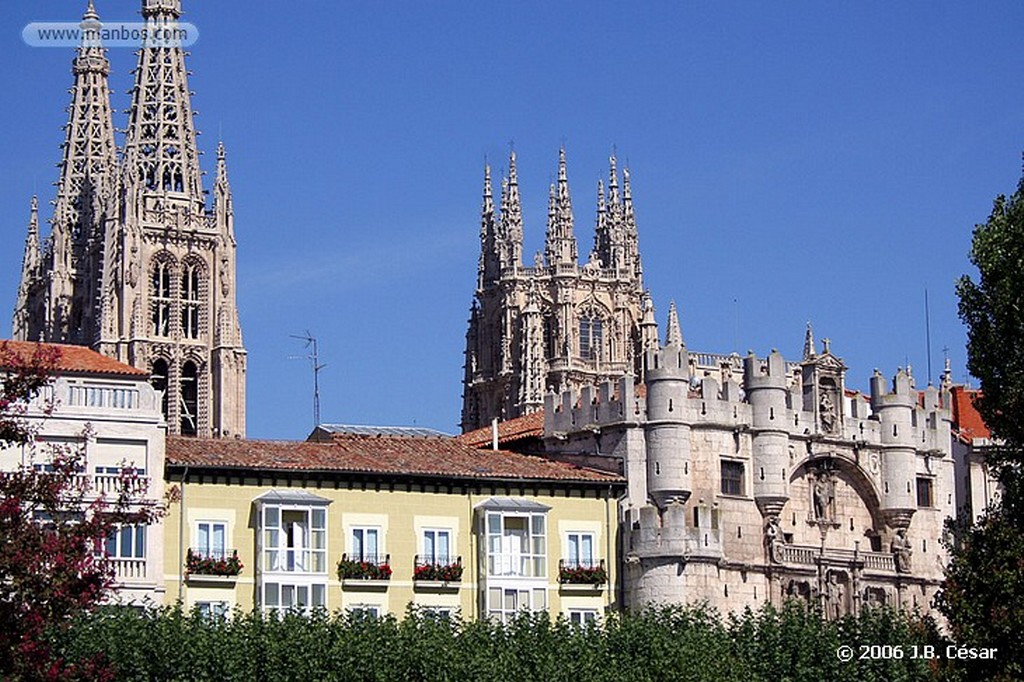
(377, 522)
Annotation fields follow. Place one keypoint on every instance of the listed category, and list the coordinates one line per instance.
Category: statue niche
(823, 494)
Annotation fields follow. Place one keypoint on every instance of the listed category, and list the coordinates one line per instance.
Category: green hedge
(676, 644)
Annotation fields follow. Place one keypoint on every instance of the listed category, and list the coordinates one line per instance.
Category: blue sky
(790, 162)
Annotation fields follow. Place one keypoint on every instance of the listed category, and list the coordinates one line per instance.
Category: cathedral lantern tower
(137, 265)
(557, 323)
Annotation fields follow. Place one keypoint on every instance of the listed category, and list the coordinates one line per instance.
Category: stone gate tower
(557, 324)
(137, 265)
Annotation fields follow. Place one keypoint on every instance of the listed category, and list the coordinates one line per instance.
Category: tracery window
(161, 298)
(158, 378)
(190, 302)
(591, 336)
(189, 394)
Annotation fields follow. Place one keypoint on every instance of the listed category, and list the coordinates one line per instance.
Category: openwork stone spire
(160, 145)
(84, 190)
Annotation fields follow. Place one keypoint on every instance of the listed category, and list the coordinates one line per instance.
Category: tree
(52, 528)
(983, 594)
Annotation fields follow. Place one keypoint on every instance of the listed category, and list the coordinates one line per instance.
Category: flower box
(437, 571)
(197, 564)
(367, 584)
(199, 579)
(366, 568)
(589, 576)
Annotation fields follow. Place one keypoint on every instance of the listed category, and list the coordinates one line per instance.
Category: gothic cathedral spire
(136, 264)
(560, 245)
(29, 272)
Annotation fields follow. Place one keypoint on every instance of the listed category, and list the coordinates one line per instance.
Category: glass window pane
(371, 542)
(125, 544)
(443, 552)
(586, 549)
(319, 518)
(357, 543)
(271, 592)
(429, 550)
(494, 523)
(319, 595)
(272, 517)
(203, 538)
(538, 525)
(218, 540)
(287, 596)
(539, 599)
(140, 542)
(573, 554)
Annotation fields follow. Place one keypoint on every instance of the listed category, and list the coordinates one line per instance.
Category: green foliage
(695, 644)
(993, 310)
(983, 594)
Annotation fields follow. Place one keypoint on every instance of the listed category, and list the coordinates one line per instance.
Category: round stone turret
(765, 385)
(667, 433)
(894, 410)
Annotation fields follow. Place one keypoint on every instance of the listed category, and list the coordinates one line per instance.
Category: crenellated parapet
(670, 533)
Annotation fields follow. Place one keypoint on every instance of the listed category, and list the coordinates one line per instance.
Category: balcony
(368, 572)
(114, 484)
(222, 567)
(581, 576)
(438, 575)
(127, 570)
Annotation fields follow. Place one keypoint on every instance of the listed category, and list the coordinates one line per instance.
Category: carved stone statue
(834, 596)
(827, 412)
(773, 539)
(901, 550)
(822, 497)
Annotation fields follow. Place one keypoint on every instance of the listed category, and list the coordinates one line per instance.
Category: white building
(109, 409)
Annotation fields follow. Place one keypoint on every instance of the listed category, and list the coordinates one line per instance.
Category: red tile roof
(73, 359)
(387, 455)
(967, 421)
(528, 426)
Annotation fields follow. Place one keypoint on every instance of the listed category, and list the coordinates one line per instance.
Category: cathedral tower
(137, 265)
(558, 324)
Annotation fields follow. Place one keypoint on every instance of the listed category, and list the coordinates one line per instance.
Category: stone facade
(761, 479)
(556, 324)
(136, 265)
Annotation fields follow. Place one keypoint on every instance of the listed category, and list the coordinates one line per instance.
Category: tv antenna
(314, 358)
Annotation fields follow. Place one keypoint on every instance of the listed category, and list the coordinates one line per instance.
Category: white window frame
(294, 549)
(581, 617)
(505, 601)
(578, 538)
(211, 550)
(301, 596)
(436, 556)
(213, 609)
(358, 536)
(505, 556)
(373, 610)
(134, 535)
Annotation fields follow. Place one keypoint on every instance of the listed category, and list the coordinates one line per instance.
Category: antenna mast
(314, 358)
